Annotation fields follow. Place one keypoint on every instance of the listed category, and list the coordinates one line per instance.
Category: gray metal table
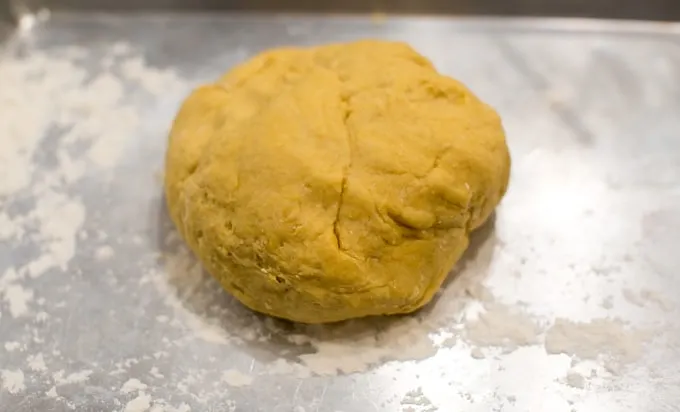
(103, 310)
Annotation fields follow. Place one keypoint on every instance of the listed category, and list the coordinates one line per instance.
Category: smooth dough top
(327, 183)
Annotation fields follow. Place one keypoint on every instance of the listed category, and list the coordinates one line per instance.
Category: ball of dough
(334, 182)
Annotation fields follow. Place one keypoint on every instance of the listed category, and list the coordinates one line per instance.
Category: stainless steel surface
(667, 10)
(592, 112)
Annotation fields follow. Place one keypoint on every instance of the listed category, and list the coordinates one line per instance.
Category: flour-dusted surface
(564, 302)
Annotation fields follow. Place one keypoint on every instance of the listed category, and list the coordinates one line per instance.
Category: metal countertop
(592, 113)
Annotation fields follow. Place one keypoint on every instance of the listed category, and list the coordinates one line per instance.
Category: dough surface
(327, 183)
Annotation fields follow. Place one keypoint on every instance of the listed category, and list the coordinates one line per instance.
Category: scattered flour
(59, 125)
(500, 325)
(182, 268)
(236, 378)
(355, 346)
(349, 347)
(12, 381)
(91, 129)
(89, 126)
(596, 338)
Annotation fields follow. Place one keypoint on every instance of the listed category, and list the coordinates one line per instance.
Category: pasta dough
(334, 182)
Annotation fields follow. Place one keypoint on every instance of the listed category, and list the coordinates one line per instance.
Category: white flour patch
(656, 298)
(12, 381)
(141, 403)
(76, 377)
(199, 327)
(41, 317)
(477, 353)
(282, 366)
(210, 333)
(52, 393)
(17, 298)
(416, 401)
(12, 346)
(357, 352)
(645, 297)
(236, 378)
(37, 363)
(155, 373)
(6, 227)
(162, 407)
(593, 339)
(632, 297)
(181, 269)
(104, 253)
(133, 385)
(576, 380)
(57, 217)
(155, 81)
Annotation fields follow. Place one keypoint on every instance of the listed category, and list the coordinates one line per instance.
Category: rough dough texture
(333, 182)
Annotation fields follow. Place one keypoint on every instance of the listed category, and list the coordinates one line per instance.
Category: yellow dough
(334, 182)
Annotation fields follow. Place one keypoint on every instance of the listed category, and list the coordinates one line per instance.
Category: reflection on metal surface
(616, 9)
(110, 315)
(28, 18)
(23, 13)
